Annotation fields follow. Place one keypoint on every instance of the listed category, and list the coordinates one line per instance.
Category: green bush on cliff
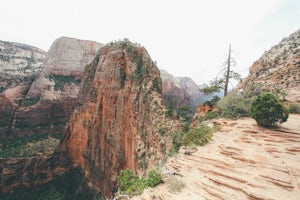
(129, 183)
(29, 101)
(234, 106)
(267, 110)
(154, 178)
(60, 81)
(198, 136)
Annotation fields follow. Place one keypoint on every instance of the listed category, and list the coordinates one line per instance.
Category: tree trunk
(227, 71)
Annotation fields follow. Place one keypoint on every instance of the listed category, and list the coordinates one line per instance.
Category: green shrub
(209, 115)
(234, 106)
(141, 70)
(175, 185)
(29, 101)
(294, 108)
(176, 142)
(127, 181)
(156, 85)
(131, 184)
(154, 178)
(213, 101)
(28, 146)
(185, 113)
(198, 136)
(267, 110)
(60, 81)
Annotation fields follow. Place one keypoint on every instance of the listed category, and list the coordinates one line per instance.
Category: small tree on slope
(267, 110)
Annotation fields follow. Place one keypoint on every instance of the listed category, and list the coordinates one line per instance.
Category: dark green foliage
(215, 86)
(176, 142)
(156, 86)
(2, 89)
(294, 108)
(215, 100)
(209, 115)
(185, 113)
(177, 139)
(11, 148)
(29, 101)
(162, 131)
(43, 192)
(170, 109)
(61, 81)
(70, 186)
(122, 77)
(234, 106)
(154, 178)
(143, 160)
(131, 184)
(198, 136)
(267, 110)
(139, 67)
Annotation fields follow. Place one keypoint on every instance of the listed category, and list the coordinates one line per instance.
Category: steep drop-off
(278, 70)
(121, 123)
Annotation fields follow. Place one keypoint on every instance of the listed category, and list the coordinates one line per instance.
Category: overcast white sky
(185, 37)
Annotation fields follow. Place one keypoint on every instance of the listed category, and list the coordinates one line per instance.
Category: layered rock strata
(19, 66)
(46, 106)
(277, 71)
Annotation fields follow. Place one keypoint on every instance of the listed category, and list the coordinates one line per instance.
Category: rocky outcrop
(202, 110)
(277, 71)
(243, 161)
(121, 123)
(52, 97)
(180, 90)
(19, 65)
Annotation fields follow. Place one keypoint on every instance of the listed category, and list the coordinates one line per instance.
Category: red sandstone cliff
(118, 125)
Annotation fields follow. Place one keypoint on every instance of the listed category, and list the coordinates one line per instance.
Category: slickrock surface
(243, 161)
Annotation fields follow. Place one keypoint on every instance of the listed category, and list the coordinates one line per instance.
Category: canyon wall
(121, 122)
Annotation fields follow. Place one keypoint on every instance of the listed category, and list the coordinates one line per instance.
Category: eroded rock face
(180, 90)
(118, 125)
(120, 122)
(202, 110)
(278, 70)
(52, 97)
(27, 172)
(19, 65)
(6, 110)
